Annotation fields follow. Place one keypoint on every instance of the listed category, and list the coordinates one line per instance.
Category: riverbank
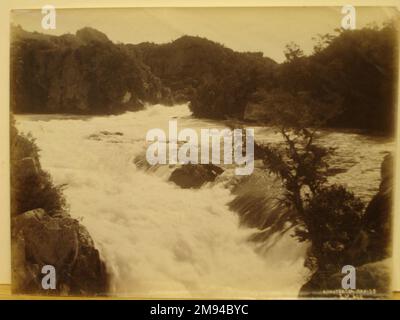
(45, 238)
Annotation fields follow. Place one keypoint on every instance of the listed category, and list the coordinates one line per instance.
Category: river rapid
(159, 240)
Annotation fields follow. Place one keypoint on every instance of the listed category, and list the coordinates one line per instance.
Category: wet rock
(39, 239)
(88, 275)
(108, 133)
(194, 176)
(377, 217)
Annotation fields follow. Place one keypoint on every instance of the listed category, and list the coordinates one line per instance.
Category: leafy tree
(329, 217)
(293, 52)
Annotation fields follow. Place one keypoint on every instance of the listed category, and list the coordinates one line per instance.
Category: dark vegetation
(82, 73)
(352, 72)
(216, 80)
(31, 186)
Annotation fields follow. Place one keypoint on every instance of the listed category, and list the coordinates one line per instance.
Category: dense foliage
(216, 80)
(31, 186)
(356, 70)
(334, 224)
(82, 73)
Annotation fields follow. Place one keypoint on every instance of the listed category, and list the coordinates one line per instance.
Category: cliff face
(82, 73)
(377, 217)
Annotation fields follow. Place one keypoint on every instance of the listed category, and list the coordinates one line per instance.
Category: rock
(88, 275)
(194, 176)
(48, 240)
(39, 239)
(372, 281)
(377, 217)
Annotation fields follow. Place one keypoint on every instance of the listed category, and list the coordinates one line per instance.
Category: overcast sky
(242, 29)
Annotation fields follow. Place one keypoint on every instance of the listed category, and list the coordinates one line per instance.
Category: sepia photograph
(203, 152)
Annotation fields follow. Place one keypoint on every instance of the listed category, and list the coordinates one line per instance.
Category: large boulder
(195, 175)
(377, 218)
(60, 241)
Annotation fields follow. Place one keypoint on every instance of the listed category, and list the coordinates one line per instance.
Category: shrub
(333, 219)
(31, 186)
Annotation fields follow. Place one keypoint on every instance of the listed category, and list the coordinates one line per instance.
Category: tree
(353, 69)
(293, 51)
(329, 217)
(333, 221)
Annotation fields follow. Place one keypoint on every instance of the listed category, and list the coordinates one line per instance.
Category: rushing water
(159, 240)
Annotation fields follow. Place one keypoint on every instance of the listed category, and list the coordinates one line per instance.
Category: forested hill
(82, 73)
(216, 80)
(350, 76)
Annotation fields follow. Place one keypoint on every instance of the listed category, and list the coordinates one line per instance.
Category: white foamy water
(157, 239)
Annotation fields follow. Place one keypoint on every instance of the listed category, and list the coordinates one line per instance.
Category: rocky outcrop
(372, 281)
(62, 242)
(194, 176)
(377, 218)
